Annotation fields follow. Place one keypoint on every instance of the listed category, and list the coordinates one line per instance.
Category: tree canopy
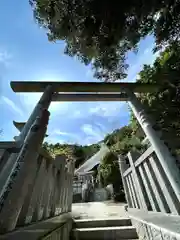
(102, 32)
(122, 140)
(164, 105)
(109, 169)
(57, 149)
(108, 173)
(74, 151)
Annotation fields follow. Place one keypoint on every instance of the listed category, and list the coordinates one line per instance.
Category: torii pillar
(167, 160)
(43, 103)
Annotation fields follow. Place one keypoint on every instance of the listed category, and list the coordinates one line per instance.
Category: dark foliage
(102, 32)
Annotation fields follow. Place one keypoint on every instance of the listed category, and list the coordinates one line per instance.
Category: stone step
(102, 233)
(110, 222)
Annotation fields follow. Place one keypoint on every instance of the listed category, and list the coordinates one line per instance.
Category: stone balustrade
(49, 195)
(146, 183)
(155, 225)
(152, 201)
(34, 186)
(58, 227)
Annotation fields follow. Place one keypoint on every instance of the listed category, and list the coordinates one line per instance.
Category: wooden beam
(99, 87)
(89, 97)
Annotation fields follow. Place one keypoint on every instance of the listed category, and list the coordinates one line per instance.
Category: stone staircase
(103, 229)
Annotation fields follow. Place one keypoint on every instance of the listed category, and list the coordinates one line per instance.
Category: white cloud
(59, 108)
(11, 104)
(102, 128)
(78, 114)
(54, 140)
(148, 50)
(29, 100)
(93, 132)
(89, 73)
(72, 136)
(90, 140)
(58, 132)
(103, 109)
(5, 57)
(147, 57)
(110, 109)
(87, 128)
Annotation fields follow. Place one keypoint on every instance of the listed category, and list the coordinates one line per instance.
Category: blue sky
(26, 54)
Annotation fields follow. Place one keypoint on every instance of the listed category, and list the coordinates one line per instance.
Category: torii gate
(100, 91)
(76, 91)
(12, 204)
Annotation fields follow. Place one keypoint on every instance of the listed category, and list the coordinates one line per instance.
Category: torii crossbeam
(84, 91)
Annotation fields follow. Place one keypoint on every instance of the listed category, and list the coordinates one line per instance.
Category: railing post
(64, 197)
(26, 163)
(137, 182)
(60, 162)
(38, 209)
(123, 167)
(166, 159)
(61, 203)
(47, 193)
(68, 186)
(159, 195)
(32, 213)
(132, 192)
(24, 211)
(71, 185)
(54, 195)
(52, 202)
(67, 192)
(148, 188)
(167, 195)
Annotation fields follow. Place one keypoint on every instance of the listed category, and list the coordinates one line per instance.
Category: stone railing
(62, 232)
(146, 184)
(33, 186)
(152, 201)
(58, 227)
(156, 226)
